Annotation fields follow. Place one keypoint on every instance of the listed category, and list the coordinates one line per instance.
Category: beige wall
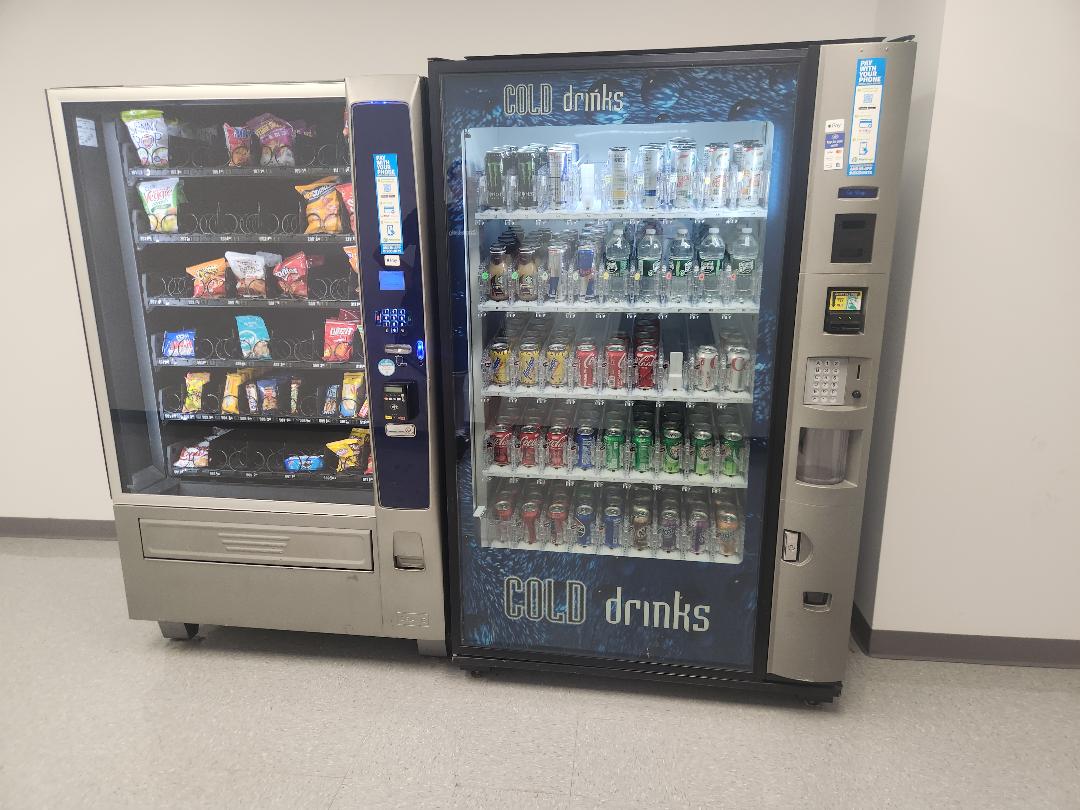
(979, 529)
(46, 410)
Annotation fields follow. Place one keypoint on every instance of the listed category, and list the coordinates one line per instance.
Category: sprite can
(672, 445)
(643, 445)
(702, 444)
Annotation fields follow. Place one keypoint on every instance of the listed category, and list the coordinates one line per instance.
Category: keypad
(393, 319)
(826, 381)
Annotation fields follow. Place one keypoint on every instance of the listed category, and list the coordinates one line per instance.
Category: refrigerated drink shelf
(637, 395)
(272, 172)
(616, 476)
(250, 303)
(197, 362)
(618, 308)
(754, 212)
(600, 550)
(243, 418)
(243, 239)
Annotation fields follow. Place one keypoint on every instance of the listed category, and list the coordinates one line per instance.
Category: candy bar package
(161, 199)
(277, 138)
(303, 463)
(209, 278)
(354, 259)
(365, 411)
(352, 390)
(150, 134)
(294, 396)
(250, 272)
(238, 144)
(330, 402)
(292, 274)
(194, 383)
(252, 391)
(338, 340)
(268, 395)
(323, 205)
(179, 344)
(346, 192)
(254, 337)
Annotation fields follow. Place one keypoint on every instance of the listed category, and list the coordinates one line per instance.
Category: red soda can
(501, 437)
(615, 352)
(528, 442)
(646, 357)
(585, 355)
(558, 439)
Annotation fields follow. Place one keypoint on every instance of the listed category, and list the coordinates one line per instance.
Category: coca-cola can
(528, 442)
(558, 439)
(585, 356)
(615, 352)
(501, 437)
(646, 357)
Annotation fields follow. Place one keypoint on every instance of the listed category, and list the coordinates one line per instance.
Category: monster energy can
(495, 174)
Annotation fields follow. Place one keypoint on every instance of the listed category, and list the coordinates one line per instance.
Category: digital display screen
(845, 300)
(391, 279)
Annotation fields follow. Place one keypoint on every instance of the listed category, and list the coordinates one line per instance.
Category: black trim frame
(490, 658)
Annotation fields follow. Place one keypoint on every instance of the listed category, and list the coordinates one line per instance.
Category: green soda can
(643, 444)
(672, 461)
(613, 448)
(733, 450)
(703, 450)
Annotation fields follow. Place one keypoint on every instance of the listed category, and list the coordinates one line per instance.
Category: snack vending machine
(259, 476)
(665, 280)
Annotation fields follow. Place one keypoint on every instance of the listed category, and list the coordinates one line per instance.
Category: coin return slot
(817, 601)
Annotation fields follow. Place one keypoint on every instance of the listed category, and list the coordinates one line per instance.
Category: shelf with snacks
(268, 172)
(249, 303)
(609, 214)
(573, 394)
(599, 476)
(618, 307)
(143, 238)
(218, 362)
(262, 419)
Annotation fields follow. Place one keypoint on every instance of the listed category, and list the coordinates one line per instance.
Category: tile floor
(99, 711)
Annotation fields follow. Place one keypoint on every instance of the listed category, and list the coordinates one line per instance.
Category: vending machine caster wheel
(812, 703)
(477, 673)
(179, 631)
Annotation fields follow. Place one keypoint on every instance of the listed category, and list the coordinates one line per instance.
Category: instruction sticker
(865, 115)
(834, 144)
(86, 132)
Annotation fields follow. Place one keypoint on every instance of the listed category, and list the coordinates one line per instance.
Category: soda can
(646, 357)
(499, 351)
(754, 159)
(585, 442)
(502, 435)
(495, 175)
(558, 437)
(619, 171)
(640, 525)
(727, 530)
(706, 369)
(652, 157)
(672, 447)
(613, 520)
(530, 511)
(717, 160)
(573, 149)
(528, 165)
(703, 450)
(584, 514)
(697, 526)
(669, 527)
(613, 448)
(615, 353)
(528, 444)
(739, 372)
(683, 153)
(643, 448)
(731, 461)
(528, 357)
(556, 256)
(557, 361)
(557, 516)
(585, 355)
(559, 185)
(585, 263)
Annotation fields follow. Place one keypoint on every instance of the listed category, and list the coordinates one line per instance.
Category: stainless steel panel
(303, 546)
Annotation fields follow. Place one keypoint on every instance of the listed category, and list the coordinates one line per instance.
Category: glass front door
(616, 243)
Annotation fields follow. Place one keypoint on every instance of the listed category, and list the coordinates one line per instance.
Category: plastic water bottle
(711, 264)
(744, 261)
(680, 262)
(616, 265)
(649, 252)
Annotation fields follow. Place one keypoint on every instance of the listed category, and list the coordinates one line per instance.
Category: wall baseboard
(1006, 650)
(57, 528)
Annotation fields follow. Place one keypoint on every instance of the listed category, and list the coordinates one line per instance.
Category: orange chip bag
(324, 205)
(354, 259)
(209, 278)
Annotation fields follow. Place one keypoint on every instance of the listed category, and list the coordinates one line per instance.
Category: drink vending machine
(263, 396)
(663, 285)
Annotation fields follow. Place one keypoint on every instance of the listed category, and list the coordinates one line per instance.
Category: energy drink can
(613, 448)
(672, 446)
(499, 352)
(643, 448)
(613, 520)
(528, 443)
(495, 175)
(556, 256)
(529, 363)
(584, 516)
(703, 450)
(528, 165)
(739, 372)
(585, 262)
(585, 441)
(652, 156)
(559, 185)
(706, 370)
(619, 171)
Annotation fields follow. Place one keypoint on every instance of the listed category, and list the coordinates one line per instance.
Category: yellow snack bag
(323, 205)
(194, 382)
(352, 392)
(347, 451)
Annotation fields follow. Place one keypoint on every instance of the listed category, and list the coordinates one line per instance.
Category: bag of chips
(254, 337)
(323, 205)
(348, 452)
(294, 396)
(352, 389)
(238, 144)
(150, 134)
(268, 395)
(330, 403)
(277, 138)
(346, 192)
(194, 383)
(338, 340)
(292, 274)
(303, 463)
(209, 278)
(198, 456)
(160, 199)
(354, 259)
(230, 398)
(179, 344)
(250, 272)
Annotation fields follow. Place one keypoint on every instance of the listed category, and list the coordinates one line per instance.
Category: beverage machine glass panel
(618, 261)
(220, 262)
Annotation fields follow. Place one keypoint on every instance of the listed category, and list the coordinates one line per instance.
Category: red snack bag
(346, 192)
(338, 340)
(292, 274)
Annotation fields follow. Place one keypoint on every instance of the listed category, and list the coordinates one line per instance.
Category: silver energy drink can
(683, 165)
(652, 156)
(527, 164)
(739, 371)
(754, 156)
(619, 171)
(495, 177)
(717, 174)
(559, 188)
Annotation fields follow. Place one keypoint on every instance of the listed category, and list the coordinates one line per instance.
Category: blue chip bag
(254, 338)
(179, 344)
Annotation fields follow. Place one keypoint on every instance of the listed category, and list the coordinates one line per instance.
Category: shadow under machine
(264, 406)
